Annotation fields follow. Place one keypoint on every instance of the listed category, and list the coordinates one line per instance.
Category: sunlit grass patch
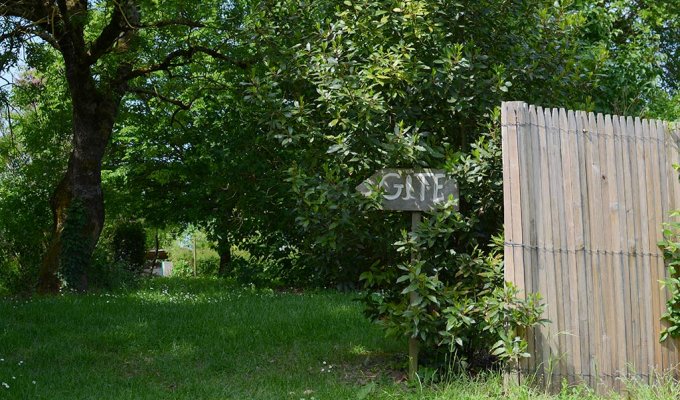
(209, 339)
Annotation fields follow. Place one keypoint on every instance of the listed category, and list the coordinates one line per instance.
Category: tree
(108, 49)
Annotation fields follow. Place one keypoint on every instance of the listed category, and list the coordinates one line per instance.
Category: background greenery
(262, 156)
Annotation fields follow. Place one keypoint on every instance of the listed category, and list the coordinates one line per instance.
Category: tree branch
(34, 30)
(124, 21)
(154, 93)
(29, 10)
(173, 22)
(188, 53)
(108, 36)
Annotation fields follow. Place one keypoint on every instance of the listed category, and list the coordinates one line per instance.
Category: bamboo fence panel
(585, 200)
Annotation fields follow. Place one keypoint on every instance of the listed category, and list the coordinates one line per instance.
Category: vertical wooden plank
(595, 247)
(561, 130)
(606, 299)
(512, 128)
(576, 248)
(538, 255)
(511, 199)
(568, 143)
(617, 217)
(633, 239)
(630, 299)
(582, 254)
(523, 272)
(662, 214)
(643, 250)
(547, 270)
(655, 221)
(508, 188)
(557, 208)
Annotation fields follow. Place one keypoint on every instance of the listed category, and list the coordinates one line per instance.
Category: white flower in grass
(5, 385)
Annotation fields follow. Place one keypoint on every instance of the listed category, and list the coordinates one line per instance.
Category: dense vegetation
(253, 121)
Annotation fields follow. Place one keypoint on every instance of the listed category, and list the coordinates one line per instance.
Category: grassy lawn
(203, 339)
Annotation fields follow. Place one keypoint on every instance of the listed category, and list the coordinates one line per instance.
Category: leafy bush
(107, 274)
(671, 251)
(129, 246)
(460, 303)
(270, 261)
(207, 262)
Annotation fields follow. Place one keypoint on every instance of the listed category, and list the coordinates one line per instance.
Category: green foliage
(75, 257)
(129, 245)
(671, 251)
(354, 87)
(207, 262)
(256, 262)
(461, 302)
(107, 274)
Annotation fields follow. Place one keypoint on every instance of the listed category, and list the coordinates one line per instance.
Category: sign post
(415, 191)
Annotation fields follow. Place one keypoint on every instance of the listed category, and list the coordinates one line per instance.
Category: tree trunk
(78, 203)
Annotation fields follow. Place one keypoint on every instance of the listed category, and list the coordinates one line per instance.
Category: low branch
(154, 93)
(25, 9)
(172, 22)
(170, 61)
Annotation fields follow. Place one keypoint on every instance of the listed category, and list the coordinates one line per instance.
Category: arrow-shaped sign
(409, 189)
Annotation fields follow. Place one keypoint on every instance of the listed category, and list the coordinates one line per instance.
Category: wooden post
(413, 345)
(415, 191)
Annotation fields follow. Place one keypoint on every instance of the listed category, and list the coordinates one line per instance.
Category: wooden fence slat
(569, 260)
(595, 235)
(536, 240)
(633, 240)
(617, 220)
(662, 214)
(643, 248)
(606, 257)
(582, 254)
(557, 208)
(577, 276)
(547, 271)
(653, 188)
(528, 211)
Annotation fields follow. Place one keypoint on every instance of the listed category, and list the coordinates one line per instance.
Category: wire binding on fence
(590, 134)
(583, 250)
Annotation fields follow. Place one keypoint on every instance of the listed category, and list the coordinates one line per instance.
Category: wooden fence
(585, 197)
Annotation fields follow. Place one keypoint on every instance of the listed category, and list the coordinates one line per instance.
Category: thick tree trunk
(78, 202)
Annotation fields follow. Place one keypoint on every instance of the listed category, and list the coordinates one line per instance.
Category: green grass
(204, 339)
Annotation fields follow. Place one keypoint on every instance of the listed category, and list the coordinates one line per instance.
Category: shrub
(207, 262)
(129, 246)
(460, 302)
(671, 251)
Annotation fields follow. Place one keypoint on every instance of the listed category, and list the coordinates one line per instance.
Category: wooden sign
(411, 190)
